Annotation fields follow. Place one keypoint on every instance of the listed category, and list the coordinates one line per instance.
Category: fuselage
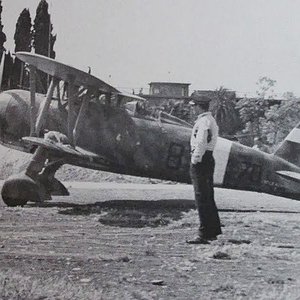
(237, 166)
(148, 148)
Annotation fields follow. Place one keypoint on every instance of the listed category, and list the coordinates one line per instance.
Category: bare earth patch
(64, 250)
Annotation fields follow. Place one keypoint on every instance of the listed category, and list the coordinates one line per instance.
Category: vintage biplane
(94, 125)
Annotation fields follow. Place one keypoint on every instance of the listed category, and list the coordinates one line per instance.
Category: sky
(208, 43)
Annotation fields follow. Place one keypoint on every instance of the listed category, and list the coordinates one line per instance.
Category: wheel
(19, 189)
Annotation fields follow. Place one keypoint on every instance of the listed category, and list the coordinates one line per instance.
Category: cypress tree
(2, 49)
(23, 41)
(2, 34)
(23, 34)
(43, 39)
(52, 42)
(7, 71)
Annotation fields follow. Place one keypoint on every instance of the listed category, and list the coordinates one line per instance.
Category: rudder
(289, 149)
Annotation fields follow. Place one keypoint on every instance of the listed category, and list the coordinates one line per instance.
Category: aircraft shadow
(127, 213)
(135, 213)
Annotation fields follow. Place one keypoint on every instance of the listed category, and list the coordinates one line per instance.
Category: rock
(275, 281)
(239, 242)
(85, 280)
(221, 255)
(157, 282)
(286, 246)
(124, 259)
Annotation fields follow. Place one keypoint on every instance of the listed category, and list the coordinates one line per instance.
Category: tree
(23, 42)
(280, 119)
(7, 71)
(265, 88)
(42, 35)
(223, 109)
(43, 39)
(222, 106)
(252, 110)
(23, 34)
(2, 34)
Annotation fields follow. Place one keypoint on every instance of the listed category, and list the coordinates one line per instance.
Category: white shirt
(204, 136)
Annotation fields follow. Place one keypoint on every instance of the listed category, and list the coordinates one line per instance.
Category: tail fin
(289, 149)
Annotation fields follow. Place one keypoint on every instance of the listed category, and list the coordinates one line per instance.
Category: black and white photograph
(149, 149)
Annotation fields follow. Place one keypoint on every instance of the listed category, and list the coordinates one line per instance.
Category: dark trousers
(202, 179)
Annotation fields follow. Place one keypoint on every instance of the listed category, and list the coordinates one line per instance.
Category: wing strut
(32, 100)
(82, 111)
(44, 107)
(71, 113)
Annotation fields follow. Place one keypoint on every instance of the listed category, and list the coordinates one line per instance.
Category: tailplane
(289, 149)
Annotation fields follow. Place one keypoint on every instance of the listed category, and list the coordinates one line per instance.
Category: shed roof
(168, 83)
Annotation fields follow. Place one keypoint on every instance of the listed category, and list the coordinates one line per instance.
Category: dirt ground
(127, 241)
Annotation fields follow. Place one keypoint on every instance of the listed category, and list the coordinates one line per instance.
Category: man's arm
(201, 142)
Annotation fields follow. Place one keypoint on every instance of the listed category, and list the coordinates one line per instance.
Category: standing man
(203, 141)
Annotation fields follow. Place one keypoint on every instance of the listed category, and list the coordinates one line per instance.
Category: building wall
(169, 89)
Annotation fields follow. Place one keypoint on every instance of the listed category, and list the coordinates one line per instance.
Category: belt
(208, 152)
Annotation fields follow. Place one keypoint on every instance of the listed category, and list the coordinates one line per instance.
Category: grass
(14, 286)
(17, 286)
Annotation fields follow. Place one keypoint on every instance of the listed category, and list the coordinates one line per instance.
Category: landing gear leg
(36, 184)
(23, 187)
(52, 185)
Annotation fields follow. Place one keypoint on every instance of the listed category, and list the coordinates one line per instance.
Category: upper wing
(67, 73)
(64, 72)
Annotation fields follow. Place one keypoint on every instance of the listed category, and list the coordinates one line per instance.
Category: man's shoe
(211, 238)
(198, 241)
